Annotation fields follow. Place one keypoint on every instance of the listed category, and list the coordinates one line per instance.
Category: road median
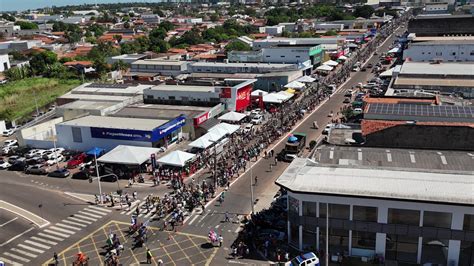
(35, 219)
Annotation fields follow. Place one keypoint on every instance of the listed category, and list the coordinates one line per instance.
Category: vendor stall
(176, 158)
(232, 116)
(295, 85)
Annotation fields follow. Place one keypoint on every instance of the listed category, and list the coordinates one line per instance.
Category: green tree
(190, 37)
(214, 17)
(8, 17)
(100, 66)
(364, 11)
(237, 46)
(330, 33)
(166, 25)
(120, 65)
(158, 12)
(97, 29)
(128, 48)
(126, 25)
(17, 56)
(56, 70)
(157, 34)
(25, 25)
(161, 46)
(41, 61)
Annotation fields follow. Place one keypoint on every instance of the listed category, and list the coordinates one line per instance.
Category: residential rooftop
(160, 111)
(116, 122)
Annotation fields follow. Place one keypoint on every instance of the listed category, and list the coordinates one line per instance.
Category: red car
(76, 160)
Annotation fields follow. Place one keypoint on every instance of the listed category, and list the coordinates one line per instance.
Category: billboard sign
(242, 100)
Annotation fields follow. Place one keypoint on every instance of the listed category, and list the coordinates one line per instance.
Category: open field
(17, 99)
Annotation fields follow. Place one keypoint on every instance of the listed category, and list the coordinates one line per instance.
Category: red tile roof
(79, 63)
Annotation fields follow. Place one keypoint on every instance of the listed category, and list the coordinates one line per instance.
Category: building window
(400, 216)
(437, 219)
(338, 240)
(294, 235)
(336, 211)
(282, 56)
(467, 253)
(468, 224)
(363, 240)
(76, 134)
(293, 207)
(309, 238)
(439, 53)
(434, 251)
(309, 208)
(401, 248)
(363, 213)
(454, 53)
(171, 98)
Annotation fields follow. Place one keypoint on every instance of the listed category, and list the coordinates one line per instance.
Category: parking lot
(173, 248)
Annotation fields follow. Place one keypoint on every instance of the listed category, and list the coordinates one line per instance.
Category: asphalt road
(72, 219)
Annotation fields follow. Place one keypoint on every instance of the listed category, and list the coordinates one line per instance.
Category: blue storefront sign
(139, 135)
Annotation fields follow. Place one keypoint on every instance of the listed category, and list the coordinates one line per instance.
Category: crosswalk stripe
(16, 257)
(99, 208)
(73, 223)
(9, 262)
(56, 233)
(37, 244)
(96, 212)
(30, 248)
(51, 237)
(132, 207)
(44, 240)
(85, 217)
(90, 214)
(135, 207)
(78, 220)
(62, 230)
(68, 226)
(24, 253)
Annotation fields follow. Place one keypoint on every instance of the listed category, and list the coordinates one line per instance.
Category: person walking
(256, 179)
(221, 239)
(227, 217)
(148, 256)
(55, 258)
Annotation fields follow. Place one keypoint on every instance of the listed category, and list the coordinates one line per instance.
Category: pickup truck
(294, 146)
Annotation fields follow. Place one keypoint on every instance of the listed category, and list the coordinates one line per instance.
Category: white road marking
(443, 159)
(10, 262)
(7, 222)
(99, 208)
(359, 155)
(85, 217)
(31, 249)
(56, 233)
(15, 237)
(79, 220)
(16, 257)
(62, 230)
(44, 240)
(217, 226)
(24, 253)
(90, 214)
(68, 227)
(412, 158)
(389, 156)
(51, 237)
(73, 223)
(37, 244)
(238, 229)
(192, 220)
(96, 212)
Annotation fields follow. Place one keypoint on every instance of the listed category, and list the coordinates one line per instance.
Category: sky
(19, 5)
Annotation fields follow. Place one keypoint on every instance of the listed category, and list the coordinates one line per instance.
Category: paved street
(75, 225)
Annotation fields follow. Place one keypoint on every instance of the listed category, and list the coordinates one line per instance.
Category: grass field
(17, 98)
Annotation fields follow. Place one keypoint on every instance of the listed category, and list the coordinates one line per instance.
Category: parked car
(328, 129)
(348, 94)
(55, 160)
(36, 169)
(308, 259)
(369, 65)
(8, 132)
(8, 150)
(258, 119)
(357, 111)
(4, 164)
(81, 175)
(247, 128)
(14, 158)
(255, 112)
(61, 173)
(35, 160)
(10, 142)
(19, 165)
(57, 150)
(31, 153)
(347, 100)
(40, 152)
(76, 160)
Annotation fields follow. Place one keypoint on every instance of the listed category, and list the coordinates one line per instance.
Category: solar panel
(410, 110)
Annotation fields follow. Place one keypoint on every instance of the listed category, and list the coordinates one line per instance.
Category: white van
(306, 259)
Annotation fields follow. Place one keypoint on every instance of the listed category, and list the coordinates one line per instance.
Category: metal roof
(442, 69)
(305, 177)
(115, 122)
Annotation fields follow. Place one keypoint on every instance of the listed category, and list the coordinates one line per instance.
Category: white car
(328, 128)
(247, 128)
(258, 119)
(6, 150)
(4, 164)
(10, 143)
(31, 153)
(8, 132)
(57, 150)
(40, 152)
(255, 112)
(53, 161)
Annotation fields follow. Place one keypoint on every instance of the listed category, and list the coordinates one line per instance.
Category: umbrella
(292, 138)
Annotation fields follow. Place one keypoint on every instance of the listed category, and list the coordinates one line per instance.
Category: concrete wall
(447, 52)
(423, 137)
(4, 62)
(40, 135)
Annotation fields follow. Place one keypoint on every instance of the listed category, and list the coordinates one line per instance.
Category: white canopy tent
(306, 79)
(286, 95)
(202, 143)
(331, 63)
(324, 68)
(342, 57)
(295, 85)
(232, 116)
(225, 127)
(176, 158)
(394, 50)
(273, 98)
(130, 155)
(387, 73)
(258, 92)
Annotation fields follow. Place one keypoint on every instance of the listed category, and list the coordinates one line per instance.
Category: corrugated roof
(426, 68)
(115, 122)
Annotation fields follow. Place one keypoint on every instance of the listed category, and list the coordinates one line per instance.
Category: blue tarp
(95, 151)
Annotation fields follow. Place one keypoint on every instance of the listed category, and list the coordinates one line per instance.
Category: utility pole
(98, 178)
(251, 187)
(327, 235)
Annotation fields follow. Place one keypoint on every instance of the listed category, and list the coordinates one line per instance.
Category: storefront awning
(130, 155)
(176, 158)
(306, 79)
(232, 116)
(331, 63)
(324, 68)
(224, 127)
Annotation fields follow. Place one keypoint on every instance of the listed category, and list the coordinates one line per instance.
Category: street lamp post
(251, 187)
(98, 178)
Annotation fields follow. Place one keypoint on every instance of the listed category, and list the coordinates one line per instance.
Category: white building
(379, 207)
(9, 29)
(272, 30)
(4, 62)
(158, 66)
(126, 58)
(108, 132)
(436, 8)
(446, 51)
